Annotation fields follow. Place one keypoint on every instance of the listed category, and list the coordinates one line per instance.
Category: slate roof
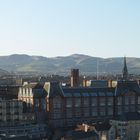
(39, 93)
(129, 116)
(87, 91)
(124, 86)
(53, 89)
(81, 134)
(102, 126)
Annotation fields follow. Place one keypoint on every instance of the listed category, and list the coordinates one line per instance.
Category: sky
(103, 28)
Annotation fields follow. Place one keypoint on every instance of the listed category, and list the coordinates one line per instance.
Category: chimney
(74, 77)
(84, 82)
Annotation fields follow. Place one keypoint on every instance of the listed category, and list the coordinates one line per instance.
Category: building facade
(8, 92)
(67, 106)
(34, 97)
(126, 127)
(11, 111)
(77, 105)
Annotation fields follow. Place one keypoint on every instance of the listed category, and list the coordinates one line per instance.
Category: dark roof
(87, 91)
(38, 86)
(129, 116)
(53, 89)
(81, 134)
(39, 93)
(102, 126)
(124, 86)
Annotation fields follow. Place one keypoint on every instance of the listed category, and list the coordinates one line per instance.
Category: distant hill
(62, 65)
(4, 72)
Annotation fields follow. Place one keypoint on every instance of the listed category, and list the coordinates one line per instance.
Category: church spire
(125, 71)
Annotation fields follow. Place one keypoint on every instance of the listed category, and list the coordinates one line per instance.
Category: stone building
(126, 126)
(11, 111)
(8, 92)
(33, 94)
(68, 106)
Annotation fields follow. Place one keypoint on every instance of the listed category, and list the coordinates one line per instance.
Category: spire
(125, 71)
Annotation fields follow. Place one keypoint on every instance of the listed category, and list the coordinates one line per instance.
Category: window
(139, 100)
(86, 112)
(86, 102)
(30, 92)
(56, 113)
(119, 110)
(56, 102)
(119, 101)
(132, 108)
(43, 104)
(102, 111)
(110, 111)
(94, 112)
(20, 91)
(94, 101)
(23, 91)
(69, 113)
(126, 100)
(126, 108)
(139, 108)
(102, 101)
(69, 102)
(110, 101)
(27, 93)
(37, 102)
(77, 102)
(77, 112)
(132, 100)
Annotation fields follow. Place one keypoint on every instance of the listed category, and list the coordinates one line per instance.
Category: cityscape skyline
(61, 28)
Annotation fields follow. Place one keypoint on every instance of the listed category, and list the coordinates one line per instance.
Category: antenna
(97, 69)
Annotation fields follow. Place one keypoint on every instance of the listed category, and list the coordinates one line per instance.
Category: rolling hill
(62, 65)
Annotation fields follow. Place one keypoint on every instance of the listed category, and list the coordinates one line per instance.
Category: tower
(125, 71)
(74, 77)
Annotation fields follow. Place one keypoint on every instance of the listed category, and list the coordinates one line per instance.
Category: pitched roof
(81, 134)
(128, 116)
(53, 89)
(124, 86)
(102, 126)
(87, 91)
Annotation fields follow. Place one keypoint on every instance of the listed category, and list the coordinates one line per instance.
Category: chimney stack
(74, 77)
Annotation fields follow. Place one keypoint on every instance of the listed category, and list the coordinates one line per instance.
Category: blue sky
(105, 28)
